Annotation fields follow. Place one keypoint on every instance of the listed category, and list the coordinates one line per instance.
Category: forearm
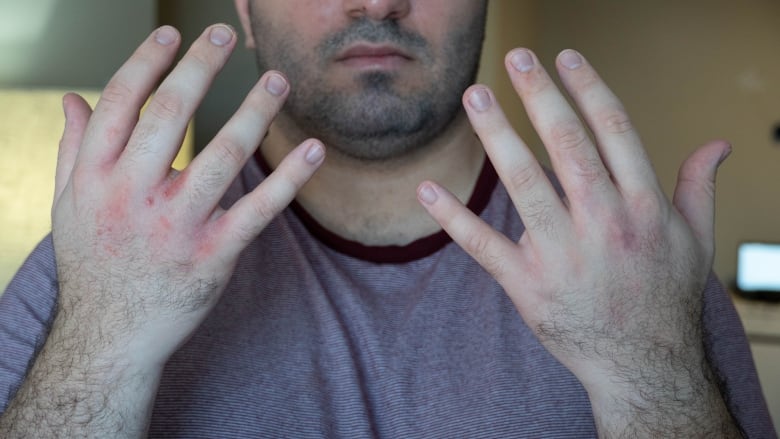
(682, 402)
(74, 390)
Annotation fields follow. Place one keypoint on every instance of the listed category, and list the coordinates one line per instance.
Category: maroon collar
(392, 254)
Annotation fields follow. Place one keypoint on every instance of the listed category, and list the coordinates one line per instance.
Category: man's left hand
(610, 277)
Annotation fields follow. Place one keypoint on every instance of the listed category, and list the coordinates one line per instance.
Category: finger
(492, 250)
(694, 196)
(618, 142)
(77, 113)
(116, 113)
(533, 195)
(160, 131)
(575, 159)
(215, 168)
(241, 224)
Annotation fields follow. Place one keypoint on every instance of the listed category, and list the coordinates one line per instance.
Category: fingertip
(478, 98)
(166, 35)
(67, 102)
(521, 60)
(427, 193)
(725, 152)
(315, 152)
(276, 84)
(472, 89)
(76, 109)
(221, 34)
(708, 157)
(570, 59)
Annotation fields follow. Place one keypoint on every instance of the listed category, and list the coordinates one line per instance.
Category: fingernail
(570, 59)
(315, 153)
(427, 194)
(221, 35)
(725, 155)
(65, 109)
(276, 85)
(522, 61)
(165, 35)
(479, 99)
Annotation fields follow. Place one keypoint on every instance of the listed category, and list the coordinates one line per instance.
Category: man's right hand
(143, 251)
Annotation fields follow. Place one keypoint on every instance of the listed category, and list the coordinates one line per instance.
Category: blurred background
(687, 71)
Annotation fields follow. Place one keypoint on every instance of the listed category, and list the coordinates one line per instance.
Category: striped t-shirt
(320, 337)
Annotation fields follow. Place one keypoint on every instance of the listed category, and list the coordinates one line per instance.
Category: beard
(380, 120)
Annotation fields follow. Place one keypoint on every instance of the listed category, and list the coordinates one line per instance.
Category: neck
(375, 203)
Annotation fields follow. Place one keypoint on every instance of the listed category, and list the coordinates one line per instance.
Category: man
(353, 314)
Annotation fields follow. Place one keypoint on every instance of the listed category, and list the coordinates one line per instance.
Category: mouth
(369, 57)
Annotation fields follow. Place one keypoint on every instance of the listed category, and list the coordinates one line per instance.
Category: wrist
(107, 347)
(669, 399)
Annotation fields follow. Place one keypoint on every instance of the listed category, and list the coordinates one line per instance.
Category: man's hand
(610, 277)
(143, 251)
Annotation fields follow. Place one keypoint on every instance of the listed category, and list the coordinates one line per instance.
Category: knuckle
(523, 178)
(479, 247)
(143, 138)
(244, 233)
(228, 152)
(265, 206)
(166, 105)
(590, 169)
(616, 121)
(698, 179)
(653, 210)
(641, 226)
(648, 204)
(569, 135)
(116, 92)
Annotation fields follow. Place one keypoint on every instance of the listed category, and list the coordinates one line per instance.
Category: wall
(69, 43)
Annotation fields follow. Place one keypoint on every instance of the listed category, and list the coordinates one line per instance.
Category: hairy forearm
(75, 390)
(681, 403)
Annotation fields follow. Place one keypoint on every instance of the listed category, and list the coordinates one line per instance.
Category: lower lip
(375, 62)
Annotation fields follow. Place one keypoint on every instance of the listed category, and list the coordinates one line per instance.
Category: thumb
(694, 196)
(77, 113)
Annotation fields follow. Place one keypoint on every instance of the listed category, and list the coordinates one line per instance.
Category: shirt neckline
(392, 254)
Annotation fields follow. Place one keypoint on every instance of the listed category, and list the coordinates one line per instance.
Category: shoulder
(26, 310)
(729, 354)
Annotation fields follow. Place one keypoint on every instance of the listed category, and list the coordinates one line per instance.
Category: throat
(386, 212)
(373, 224)
(374, 203)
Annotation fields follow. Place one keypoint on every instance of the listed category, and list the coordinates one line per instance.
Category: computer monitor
(758, 269)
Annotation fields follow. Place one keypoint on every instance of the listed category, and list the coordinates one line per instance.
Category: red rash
(176, 185)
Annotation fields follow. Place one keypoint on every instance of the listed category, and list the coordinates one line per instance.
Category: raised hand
(143, 251)
(610, 277)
